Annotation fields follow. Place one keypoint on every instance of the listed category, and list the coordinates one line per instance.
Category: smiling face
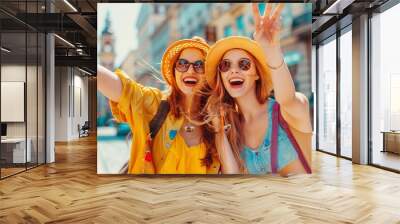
(188, 80)
(238, 72)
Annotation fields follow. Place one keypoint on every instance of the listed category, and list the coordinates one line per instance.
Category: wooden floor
(387, 159)
(10, 171)
(70, 191)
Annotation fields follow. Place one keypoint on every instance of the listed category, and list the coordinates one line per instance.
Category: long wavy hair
(176, 99)
(221, 104)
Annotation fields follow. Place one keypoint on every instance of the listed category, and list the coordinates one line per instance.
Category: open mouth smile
(190, 81)
(236, 82)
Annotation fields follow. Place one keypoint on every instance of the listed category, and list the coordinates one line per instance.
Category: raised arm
(294, 105)
(108, 83)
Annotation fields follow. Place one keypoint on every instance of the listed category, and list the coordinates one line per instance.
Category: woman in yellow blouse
(179, 147)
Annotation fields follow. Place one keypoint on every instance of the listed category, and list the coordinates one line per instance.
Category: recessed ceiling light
(5, 50)
(86, 72)
(65, 41)
(71, 6)
(337, 7)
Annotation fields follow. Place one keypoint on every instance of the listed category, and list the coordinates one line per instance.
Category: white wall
(14, 73)
(33, 126)
(61, 103)
(69, 85)
(80, 100)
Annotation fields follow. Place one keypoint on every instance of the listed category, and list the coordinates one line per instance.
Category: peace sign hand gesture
(268, 26)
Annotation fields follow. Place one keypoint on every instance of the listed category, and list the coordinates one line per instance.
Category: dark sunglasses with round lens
(182, 65)
(225, 64)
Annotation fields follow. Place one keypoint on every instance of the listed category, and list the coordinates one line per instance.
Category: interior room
(53, 118)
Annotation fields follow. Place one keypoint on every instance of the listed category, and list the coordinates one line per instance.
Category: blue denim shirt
(259, 161)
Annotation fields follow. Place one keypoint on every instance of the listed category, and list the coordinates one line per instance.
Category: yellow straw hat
(218, 50)
(174, 50)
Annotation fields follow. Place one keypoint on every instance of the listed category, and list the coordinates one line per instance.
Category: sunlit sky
(123, 18)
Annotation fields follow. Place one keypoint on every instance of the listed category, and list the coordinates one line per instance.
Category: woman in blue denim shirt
(264, 135)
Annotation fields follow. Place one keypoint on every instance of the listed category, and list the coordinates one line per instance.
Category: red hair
(175, 100)
(220, 100)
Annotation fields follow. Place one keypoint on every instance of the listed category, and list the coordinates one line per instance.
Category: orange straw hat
(174, 50)
(218, 50)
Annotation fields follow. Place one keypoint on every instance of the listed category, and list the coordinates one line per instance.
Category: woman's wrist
(274, 56)
(278, 66)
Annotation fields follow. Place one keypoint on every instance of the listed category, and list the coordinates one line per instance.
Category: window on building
(162, 9)
(261, 8)
(240, 25)
(227, 31)
(251, 20)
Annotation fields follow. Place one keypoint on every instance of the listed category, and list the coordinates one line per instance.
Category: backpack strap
(155, 125)
(159, 118)
(274, 140)
(277, 119)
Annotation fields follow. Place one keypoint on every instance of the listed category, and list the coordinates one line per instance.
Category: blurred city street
(112, 153)
(153, 26)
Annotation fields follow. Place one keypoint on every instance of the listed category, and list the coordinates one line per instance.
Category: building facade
(106, 58)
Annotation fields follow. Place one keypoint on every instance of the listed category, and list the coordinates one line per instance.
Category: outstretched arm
(294, 105)
(108, 83)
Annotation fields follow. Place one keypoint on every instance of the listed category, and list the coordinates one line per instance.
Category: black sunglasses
(182, 65)
(225, 64)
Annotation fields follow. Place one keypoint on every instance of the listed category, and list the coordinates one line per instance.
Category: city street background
(134, 36)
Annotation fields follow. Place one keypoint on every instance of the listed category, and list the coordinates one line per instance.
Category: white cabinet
(17, 148)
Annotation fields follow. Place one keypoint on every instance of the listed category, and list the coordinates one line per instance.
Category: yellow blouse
(137, 106)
